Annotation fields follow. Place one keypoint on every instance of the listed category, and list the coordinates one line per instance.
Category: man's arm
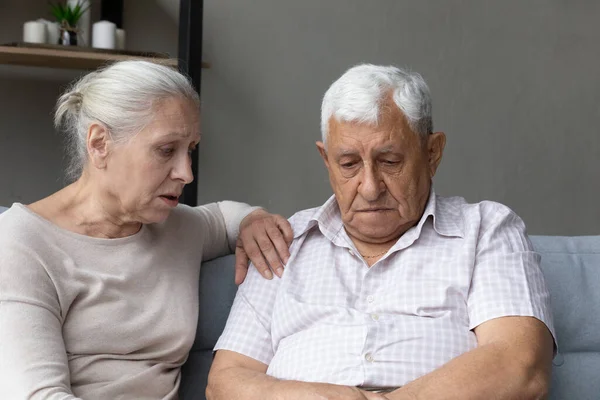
(234, 376)
(513, 360)
(510, 314)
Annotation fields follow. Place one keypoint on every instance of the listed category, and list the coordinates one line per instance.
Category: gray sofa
(572, 269)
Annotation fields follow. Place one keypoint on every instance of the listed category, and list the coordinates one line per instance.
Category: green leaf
(64, 12)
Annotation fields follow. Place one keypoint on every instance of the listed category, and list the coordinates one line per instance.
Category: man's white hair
(357, 96)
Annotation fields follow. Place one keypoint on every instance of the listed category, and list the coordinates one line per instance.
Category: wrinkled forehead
(176, 118)
(391, 131)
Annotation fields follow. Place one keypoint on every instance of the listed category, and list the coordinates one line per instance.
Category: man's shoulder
(484, 208)
(303, 220)
(481, 215)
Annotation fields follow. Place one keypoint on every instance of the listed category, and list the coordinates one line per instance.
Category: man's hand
(264, 239)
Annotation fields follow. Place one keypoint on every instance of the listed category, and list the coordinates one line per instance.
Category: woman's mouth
(170, 199)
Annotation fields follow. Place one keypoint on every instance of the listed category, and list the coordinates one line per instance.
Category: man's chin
(375, 233)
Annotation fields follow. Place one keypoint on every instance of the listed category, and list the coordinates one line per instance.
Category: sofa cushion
(216, 293)
(571, 266)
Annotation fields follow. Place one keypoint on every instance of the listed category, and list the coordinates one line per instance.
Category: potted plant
(68, 16)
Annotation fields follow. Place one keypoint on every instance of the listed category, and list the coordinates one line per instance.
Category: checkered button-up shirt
(331, 318)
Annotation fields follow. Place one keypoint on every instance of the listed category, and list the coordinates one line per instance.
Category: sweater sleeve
(222, 226)
(33, 359)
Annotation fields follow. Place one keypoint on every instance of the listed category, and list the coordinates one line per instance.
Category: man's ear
(98, 143)
(436, 142)
(323, 152)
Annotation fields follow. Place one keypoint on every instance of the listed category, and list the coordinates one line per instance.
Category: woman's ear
(98, 143)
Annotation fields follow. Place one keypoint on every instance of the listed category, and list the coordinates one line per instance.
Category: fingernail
(279, 271)
(268, 274)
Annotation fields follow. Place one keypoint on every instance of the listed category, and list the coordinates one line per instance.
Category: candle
(120, 39)
(34, 32)
(52, 32)
(104, 35)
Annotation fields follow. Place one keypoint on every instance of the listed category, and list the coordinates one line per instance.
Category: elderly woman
(99, 281)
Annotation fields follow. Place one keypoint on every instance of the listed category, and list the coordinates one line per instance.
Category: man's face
(381, 175)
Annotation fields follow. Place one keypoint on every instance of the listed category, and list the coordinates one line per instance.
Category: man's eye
(348, 165)
(390, 162)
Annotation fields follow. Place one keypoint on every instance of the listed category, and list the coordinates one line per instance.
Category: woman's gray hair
(357, 96)
(122, 97)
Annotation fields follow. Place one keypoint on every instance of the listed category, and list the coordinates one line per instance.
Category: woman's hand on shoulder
(264, 239)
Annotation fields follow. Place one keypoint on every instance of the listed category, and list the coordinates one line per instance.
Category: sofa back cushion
(571, 266)
(217, 291)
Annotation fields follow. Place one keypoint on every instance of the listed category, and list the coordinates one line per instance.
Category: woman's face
(146, 174)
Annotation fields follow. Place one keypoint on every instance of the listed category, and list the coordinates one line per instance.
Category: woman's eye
(166, 151)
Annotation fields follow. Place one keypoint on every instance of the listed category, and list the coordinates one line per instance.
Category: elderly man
(391, 291)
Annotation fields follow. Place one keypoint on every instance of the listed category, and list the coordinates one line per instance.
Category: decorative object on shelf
(85, 21)
(52, 31)
(68, 17)
(104, 35)
(120, 39)
(34, 32)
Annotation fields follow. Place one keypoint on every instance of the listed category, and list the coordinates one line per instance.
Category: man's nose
(371, 185)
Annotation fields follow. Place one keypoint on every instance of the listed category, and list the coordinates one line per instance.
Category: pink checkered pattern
(331, 318)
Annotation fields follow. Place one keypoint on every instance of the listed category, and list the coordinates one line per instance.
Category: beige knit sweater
(88, 318)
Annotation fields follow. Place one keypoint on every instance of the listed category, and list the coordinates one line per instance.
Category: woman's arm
(33, 359)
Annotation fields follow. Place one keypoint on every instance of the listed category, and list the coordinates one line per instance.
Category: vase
(84, 22)
(67, 37)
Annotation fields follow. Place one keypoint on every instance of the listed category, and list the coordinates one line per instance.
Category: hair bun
(75, 99)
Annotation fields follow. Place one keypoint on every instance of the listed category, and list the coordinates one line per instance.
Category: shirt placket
(367, 304)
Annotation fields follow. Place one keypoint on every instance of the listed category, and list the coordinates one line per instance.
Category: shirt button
(351, 253)
(369, 357)
(375, 317)
(370, 298)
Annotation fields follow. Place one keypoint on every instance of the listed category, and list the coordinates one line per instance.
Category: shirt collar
(447, 219)
(327, 217)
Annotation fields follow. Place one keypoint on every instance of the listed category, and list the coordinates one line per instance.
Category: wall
(515, 87)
